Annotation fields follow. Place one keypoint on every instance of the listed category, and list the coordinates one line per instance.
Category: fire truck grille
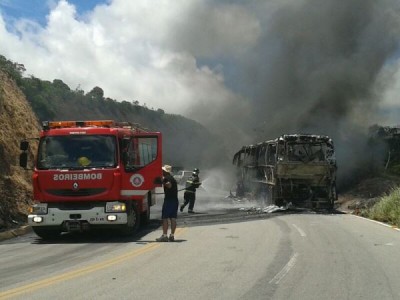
(77, 193)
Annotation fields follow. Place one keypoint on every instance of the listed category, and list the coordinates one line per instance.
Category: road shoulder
(15, 232)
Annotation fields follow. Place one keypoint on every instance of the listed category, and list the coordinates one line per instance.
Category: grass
(387, 210)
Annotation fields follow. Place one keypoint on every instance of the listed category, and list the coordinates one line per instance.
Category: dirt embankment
(366, 193)
(17, 122)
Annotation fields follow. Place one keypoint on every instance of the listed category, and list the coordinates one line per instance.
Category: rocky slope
(366, 193)
(17, 122)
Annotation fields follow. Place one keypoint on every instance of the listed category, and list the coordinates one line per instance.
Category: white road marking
(377, 222)
(302, 233)
(278, 277)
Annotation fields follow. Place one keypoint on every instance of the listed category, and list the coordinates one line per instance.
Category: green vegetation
(387, 209)
(186, 142)
(13, 69)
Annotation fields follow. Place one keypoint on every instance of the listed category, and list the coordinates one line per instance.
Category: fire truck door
(142, 163)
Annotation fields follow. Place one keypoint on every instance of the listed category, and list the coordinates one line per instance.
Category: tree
(13, 69)
(79, 90)
(59, 84)
(96, 93)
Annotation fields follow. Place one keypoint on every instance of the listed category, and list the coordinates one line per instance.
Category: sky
(250, 70)
(37, 10)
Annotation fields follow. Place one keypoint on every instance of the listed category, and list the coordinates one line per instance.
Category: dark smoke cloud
(314, 70)
(321, 60)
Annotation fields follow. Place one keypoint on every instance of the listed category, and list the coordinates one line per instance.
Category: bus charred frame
(298, 168)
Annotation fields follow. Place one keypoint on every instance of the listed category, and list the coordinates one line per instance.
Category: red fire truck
(93, 174)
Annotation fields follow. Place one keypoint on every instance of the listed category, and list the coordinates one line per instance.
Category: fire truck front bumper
(92, 217)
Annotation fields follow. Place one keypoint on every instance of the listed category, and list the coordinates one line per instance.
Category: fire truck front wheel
(145, 217)
(133, 220)
(47, 232)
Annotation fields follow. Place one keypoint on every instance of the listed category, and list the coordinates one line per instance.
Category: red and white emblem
(136, 180)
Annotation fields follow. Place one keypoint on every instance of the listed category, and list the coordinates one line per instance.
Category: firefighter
(191, 185)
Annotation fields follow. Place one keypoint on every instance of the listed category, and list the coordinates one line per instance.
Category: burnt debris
(297, 169)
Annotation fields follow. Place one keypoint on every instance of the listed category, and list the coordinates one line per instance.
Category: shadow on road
(101, 236)
(184, 220)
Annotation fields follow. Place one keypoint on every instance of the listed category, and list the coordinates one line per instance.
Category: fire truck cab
(93, 174)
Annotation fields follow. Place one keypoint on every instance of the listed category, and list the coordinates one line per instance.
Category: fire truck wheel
(47, 233)
(133, 221)
(145, 217)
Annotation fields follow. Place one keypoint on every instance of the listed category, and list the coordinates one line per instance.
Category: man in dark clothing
(192, 184)
(170, 205)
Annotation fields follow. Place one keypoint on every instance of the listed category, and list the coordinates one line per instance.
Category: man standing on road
(192, 184)
(170, 205)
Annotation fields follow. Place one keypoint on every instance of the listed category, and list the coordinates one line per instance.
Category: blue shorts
(170, 209)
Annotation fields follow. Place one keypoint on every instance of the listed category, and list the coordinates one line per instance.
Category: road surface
(222, 252)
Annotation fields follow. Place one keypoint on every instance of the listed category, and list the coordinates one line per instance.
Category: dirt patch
(366, 193)
(17, 122)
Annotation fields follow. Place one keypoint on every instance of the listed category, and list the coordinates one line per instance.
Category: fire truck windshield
(77, 152)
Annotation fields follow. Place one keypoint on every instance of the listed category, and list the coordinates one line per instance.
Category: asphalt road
(222, 252)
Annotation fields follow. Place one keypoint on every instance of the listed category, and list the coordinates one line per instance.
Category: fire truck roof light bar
(65, 124)
(94, 123)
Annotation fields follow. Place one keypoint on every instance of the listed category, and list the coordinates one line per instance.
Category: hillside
(26, 101)
(17, 122)
(186, 143)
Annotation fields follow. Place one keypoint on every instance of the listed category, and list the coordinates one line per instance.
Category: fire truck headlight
(39, 209)
(115, 207)
(111, 218)
(38, 219)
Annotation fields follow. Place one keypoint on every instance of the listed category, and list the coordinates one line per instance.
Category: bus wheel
(271, 195)
(333, 197)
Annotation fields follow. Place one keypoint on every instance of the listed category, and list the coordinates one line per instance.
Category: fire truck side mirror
(24, 145)
(23, 160)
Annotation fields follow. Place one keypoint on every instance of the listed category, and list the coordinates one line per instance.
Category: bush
(387, 209)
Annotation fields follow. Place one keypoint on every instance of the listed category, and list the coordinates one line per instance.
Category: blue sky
(38, 9)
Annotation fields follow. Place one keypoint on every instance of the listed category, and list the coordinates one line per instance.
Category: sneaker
(182, 207)
(191, 212)
(171, 238)
(162, 238)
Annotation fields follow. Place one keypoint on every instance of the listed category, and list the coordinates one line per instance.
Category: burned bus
(295, 168)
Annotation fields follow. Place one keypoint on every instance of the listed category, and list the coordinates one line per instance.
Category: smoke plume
(315, 69)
